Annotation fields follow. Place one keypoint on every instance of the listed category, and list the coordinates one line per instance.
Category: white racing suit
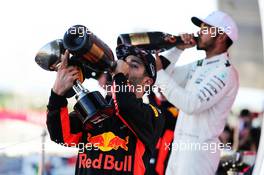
(204, 92)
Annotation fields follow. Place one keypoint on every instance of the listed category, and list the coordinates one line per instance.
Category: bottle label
(139, 38)
(94, 54)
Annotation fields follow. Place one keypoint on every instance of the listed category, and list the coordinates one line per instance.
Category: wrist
(56, 101)
(57, 91)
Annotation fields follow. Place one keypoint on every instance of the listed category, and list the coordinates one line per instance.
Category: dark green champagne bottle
(151, 41)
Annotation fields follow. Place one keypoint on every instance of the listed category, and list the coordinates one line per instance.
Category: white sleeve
(203, 95)
(172, 55)
(178, 73)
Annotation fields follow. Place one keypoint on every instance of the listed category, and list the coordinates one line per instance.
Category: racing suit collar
(216, 59)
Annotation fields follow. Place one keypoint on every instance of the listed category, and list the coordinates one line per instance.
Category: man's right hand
(188, 40)
(66, 76)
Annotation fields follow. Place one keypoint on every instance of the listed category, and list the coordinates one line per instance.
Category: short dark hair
(244, 113)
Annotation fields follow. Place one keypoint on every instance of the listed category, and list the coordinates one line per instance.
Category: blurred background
(24, 87)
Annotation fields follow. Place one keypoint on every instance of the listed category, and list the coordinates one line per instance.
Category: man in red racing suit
(123, 143)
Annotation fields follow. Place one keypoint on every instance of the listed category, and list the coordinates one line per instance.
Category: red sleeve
(60, 123)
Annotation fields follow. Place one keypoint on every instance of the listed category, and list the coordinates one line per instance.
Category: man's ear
(147, 81)
(222, 38)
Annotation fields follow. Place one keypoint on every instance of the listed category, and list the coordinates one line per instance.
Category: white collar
(216, 59)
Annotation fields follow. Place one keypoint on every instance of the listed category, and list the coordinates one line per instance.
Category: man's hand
(122, 67)
(188, 40)
(66, 76)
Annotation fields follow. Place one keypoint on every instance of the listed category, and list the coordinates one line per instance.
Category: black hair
(244, 113)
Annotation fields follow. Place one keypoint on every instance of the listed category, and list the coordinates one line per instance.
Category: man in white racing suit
(204, 91)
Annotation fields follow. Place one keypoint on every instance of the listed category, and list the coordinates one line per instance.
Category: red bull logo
(106, 162)
(108, 141)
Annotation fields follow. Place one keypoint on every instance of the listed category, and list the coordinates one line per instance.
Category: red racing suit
(121, 144)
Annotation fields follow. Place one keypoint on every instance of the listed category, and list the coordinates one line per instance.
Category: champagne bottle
(151, 41)
(94, 52)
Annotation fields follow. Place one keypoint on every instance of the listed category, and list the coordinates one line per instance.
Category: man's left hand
(122, 67)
